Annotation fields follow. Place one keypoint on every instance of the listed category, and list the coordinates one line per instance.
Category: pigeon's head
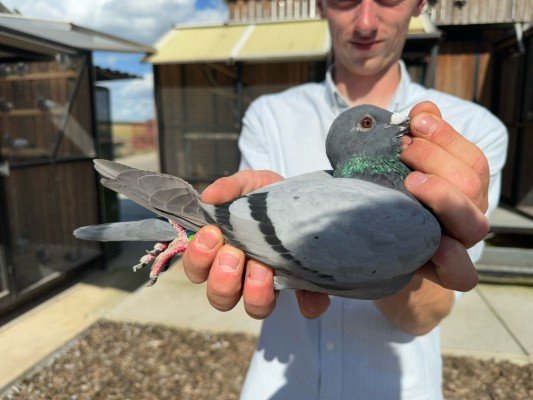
(365, 131)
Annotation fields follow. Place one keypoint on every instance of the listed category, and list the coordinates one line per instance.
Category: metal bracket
(519, 31)
(4, 168)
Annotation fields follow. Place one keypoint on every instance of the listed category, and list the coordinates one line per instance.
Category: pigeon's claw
(150, 256)
(166, 254)
(158, 248)
(162, 261)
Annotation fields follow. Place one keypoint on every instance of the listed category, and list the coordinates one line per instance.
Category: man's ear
(419, 7)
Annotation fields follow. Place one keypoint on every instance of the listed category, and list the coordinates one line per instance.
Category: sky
(138, 20)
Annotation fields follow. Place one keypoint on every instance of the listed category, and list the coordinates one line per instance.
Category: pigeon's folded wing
(335, 232)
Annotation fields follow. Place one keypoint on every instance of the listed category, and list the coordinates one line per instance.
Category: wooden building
(206, 76)
(486, 55)
(48, 138)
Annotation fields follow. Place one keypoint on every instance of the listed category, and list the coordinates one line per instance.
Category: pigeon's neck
(385, 170)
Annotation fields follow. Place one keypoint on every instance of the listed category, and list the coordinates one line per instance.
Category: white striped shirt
(352, 351)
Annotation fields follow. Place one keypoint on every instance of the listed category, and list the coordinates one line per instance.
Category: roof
(108, 74)
(38, 34)
(265, 41)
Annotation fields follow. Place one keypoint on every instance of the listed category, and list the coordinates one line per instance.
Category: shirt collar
(339, 104)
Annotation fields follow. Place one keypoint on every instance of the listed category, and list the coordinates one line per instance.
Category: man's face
(368, 35)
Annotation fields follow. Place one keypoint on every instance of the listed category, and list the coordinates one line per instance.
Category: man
(382, 349)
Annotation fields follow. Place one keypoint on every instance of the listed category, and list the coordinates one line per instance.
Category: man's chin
(367, 67)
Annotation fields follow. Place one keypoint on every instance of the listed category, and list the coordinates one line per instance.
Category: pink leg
(162, 262)
(163, 253)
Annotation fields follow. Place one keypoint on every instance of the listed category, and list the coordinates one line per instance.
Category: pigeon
(354, 231)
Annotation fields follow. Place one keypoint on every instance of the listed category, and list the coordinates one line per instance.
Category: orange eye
(366, 123)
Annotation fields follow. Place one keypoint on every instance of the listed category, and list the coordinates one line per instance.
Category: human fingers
(427, 123)
(459, 216)
(424, 156)
(224, 284)
(258, 295)
(312, 304)
(201, 252)
(451, 266)
(440, 150)
(231, 187)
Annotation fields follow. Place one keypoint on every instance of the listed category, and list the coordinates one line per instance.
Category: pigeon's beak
(402, 122)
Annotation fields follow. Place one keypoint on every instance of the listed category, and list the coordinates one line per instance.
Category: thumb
(231, 187)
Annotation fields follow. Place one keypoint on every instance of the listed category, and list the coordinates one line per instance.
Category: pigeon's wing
(334, 232)
(163, 194)
(144, 230)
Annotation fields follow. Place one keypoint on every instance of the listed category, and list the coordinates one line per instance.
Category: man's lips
(365, 44)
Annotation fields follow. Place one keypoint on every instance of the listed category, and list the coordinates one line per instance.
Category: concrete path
(491, 321)
(175, 301)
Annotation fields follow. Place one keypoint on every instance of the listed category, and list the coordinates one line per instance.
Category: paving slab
(504, 220)
(473, 329)
(175, 301)
(514, 307)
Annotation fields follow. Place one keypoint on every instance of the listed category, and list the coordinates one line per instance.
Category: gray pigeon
(353, 232)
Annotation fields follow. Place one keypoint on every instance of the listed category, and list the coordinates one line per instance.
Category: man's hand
(228, 272)
(451, 177)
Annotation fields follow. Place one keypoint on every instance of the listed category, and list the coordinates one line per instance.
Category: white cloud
(132, 100)
(140, 20)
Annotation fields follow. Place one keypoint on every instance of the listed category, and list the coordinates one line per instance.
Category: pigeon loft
(53, 121)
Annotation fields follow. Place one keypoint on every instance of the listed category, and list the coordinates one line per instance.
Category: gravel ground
(130, 361)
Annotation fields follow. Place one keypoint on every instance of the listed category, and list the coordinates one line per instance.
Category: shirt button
(330, 346)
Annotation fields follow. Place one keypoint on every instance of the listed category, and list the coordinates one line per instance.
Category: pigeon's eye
(366, 122)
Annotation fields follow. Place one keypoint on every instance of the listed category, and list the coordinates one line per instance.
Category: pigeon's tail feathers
(145, 230)
(166, 195)
(109, 169)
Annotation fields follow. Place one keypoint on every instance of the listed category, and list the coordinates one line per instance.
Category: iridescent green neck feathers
(384, 170)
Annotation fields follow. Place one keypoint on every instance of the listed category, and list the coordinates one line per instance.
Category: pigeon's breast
(335, 232)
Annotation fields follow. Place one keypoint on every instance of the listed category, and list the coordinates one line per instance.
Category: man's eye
(366, 123)
(342, 4)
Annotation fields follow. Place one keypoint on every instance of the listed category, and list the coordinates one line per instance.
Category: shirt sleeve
(252, 141)
(493, 142)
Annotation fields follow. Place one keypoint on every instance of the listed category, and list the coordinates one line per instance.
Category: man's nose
(366, 17)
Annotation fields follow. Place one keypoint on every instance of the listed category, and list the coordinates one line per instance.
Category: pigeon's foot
(162, 261)
(163, 253)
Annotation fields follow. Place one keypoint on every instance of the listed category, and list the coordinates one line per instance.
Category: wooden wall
(200, 107)
(452, 12)
(267, 10)
(464, 69)
(45, 203)
(489, 68)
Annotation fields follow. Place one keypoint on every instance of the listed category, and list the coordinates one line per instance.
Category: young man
(382, 349)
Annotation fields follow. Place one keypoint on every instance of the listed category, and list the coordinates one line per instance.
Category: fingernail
(406, 142)
(228, 261)
(425, 125)
(257, 273)
(415, 179)
(207, 240)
